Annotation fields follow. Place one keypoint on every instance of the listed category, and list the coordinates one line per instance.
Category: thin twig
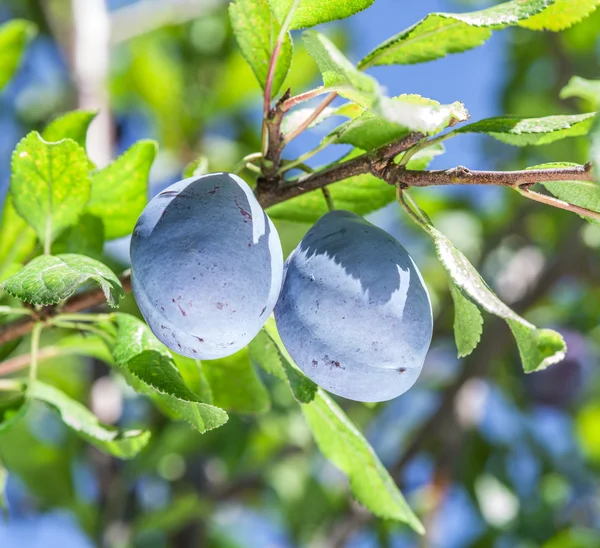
(311, 118)
(328, 198)
(302, 97)
(560, 204)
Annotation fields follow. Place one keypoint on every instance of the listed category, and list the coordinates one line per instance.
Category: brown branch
(270, 191)
(365, 163)
(464, 176)
(270, 179)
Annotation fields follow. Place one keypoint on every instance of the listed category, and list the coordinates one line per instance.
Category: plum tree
(206, 265)
(354, 313)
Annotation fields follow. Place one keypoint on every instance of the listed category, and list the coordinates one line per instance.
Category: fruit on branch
(354, 313)
(206, 265)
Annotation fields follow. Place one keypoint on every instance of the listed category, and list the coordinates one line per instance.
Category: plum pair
(350, 304)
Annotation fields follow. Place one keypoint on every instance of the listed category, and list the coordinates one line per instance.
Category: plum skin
(206, 265)
(354, 312)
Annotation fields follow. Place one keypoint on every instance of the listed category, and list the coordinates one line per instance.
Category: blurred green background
(486, 455)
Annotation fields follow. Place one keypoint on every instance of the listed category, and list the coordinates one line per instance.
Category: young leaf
(72, 125)
(148, 366)
(361, 194)
(120, 190)
(420, 114)
(394, 118)
(561, 15)
(14, 36)
(582, 88)
(467, 322)
(539, 348)
(268, 351)
(338, 72)
(235, 385)
(124, 444)
(439, 34)
(196, 168)
(341, 442)
(309, 13)
(17, 240)
(50, 185)
(256, 30)
(582, 193)
(518, 131)
(50, 279)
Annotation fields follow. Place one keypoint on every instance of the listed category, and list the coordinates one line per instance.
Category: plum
(353, 312)
(206, 265)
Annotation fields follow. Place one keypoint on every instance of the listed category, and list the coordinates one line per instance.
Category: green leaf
(120, 190)
(235, 385)
(13, 406)
(50, 185)
(338, 72)
(539, 348)
(193, 375)
(581, 193)
(341, 442)
(196, 168)
(394, 118)
(582, 88)
(361, 194)
(519, 131)
(421, 114)
(124, 444)
(468, 322)
(439, 34)
(268, 351)
(17, 240)
(148, 367)
(309, 13)
(14, 36)
(72, 125)
(256, 30)
(562, 15)
(50, 279)
(86, 238)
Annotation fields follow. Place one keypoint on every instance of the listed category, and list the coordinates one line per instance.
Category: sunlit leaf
(309, 13)
(50, 185)
(148, 366)
(50, 279)
(439, 34)
(120, 190)
(256, 29)
(14, 36)
(124, 444)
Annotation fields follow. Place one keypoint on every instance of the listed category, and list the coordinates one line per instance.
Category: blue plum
(206, 265)
(354, 313)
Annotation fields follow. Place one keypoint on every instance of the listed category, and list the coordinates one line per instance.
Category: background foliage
(485, 455)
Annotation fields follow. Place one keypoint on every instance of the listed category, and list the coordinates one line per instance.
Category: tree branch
(271, 190)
